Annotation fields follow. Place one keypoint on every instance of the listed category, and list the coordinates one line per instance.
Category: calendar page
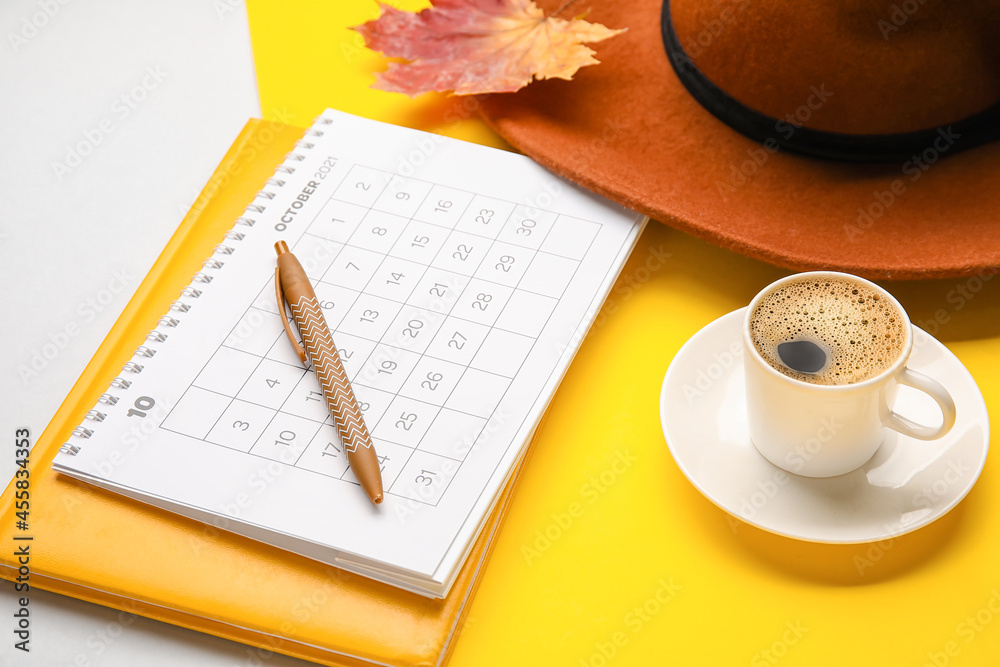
(458, 282)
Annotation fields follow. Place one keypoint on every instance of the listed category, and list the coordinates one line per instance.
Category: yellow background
(709, 590)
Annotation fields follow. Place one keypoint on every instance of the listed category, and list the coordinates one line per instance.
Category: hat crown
(848, 66)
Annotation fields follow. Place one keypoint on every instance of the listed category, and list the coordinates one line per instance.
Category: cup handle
(932, 388)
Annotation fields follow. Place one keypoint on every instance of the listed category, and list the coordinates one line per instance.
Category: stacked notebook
(458, 281)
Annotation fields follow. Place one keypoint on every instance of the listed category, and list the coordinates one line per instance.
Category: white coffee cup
(821, 430)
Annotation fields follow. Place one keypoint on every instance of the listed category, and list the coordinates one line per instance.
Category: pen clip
(280, 295)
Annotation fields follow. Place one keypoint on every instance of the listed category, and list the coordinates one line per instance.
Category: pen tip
(281, 247)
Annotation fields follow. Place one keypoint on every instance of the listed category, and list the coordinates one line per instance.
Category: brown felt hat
(858, 135)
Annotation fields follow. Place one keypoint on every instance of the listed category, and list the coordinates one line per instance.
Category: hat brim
(628, 129)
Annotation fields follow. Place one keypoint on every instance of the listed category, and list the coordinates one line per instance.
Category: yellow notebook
(111, 550)
(459, 281)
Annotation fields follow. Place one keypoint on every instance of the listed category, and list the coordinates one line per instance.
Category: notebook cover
(104, 548)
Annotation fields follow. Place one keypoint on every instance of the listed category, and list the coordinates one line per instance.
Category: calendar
(458, 282)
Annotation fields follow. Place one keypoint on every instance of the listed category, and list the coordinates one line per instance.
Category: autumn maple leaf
(478, 46)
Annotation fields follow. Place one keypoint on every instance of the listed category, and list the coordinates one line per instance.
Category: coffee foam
(861, 331)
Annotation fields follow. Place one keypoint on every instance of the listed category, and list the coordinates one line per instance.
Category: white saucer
(906, 485)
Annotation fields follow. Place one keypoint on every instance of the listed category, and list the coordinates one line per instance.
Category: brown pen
(291, 282)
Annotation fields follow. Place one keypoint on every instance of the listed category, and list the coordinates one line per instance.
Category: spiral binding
(190, 293)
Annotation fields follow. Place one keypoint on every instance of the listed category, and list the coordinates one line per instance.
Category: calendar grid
(308, 367)
(436, 295)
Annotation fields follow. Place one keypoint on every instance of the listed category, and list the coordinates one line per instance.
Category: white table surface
(112, 117)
